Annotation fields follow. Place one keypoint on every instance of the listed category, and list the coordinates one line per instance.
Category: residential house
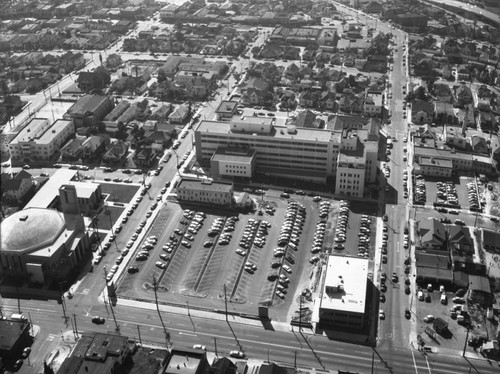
(93, 81)
(444, 112)
(292, 72)
(491, 240)
(223, 365)
(158, 140)
(287, 99)
(350, 103)
(443, 93)
(113, 118)
(116, 152)
(161, 114)
(93, 147)
(463, 95)
(142, 110)
(307, 99)
(487, 121)
(328, 101)
(145, 157)
(422, 112)
(463, 73)
(431, 236)
(179, 115)
(73, 150)
(479, 145)
(14, 188)
(258, 97)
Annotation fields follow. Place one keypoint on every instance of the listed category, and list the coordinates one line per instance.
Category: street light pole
(109, 301)
(225, 301)
(167, 335)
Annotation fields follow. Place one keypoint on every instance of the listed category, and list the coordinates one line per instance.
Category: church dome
(31, 229)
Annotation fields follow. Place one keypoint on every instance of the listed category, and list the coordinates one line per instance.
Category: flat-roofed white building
(350, 179)
(40, 139)
(372, 105)
(434, 167)
(308, 154)
(205, 191)
(233, 163)
(343, 297)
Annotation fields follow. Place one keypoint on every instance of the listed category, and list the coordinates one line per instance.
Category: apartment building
(40, 139)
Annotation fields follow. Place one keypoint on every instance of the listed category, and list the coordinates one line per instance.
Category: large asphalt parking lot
(199, 274)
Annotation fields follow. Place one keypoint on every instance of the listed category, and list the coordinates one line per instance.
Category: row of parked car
(342, 222)
(420, 192)
(473, 197)
(292, 225)
(248, 236)
(364, 238)
(447, 193)
(319, 233)
(289, 238)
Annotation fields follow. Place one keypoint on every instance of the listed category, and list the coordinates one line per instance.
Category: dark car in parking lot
(98, 320)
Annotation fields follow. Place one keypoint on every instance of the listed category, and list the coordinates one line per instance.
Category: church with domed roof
(42, 247)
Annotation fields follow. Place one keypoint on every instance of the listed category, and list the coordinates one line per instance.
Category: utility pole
(109, 301)
(225, 301)
(465, 343)
(117, 328)
(215, 344)
(268, 360)
(76, 326)
(300, 314)
(108, 213)
(295, 360)
(139, 333)
(167, 335)
(61, 296)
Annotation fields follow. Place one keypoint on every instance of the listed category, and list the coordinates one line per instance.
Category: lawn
(108, 216)
(119, 192)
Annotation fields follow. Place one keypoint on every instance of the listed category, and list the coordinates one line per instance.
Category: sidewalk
(191, 312)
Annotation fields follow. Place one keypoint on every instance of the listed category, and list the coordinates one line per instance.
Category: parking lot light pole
(225, 301)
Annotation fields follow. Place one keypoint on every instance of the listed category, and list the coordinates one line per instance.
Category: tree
(47, 369)
(162, 77)
(113, 61)
(121, 133)
(420, 93)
